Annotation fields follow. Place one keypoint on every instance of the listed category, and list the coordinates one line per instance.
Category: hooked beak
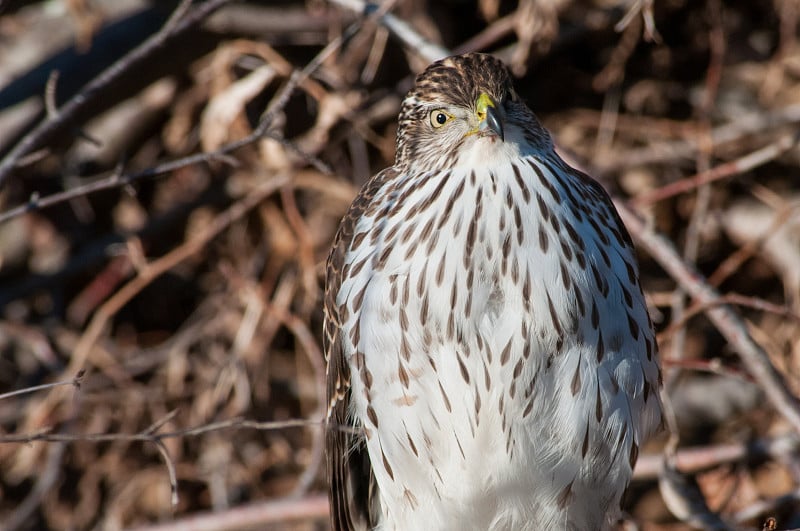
(490, 116)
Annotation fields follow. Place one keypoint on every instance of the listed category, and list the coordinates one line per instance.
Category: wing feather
(352, 489)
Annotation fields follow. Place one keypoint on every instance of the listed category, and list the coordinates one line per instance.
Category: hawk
(491, 361)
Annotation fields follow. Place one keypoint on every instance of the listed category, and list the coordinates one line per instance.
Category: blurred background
(173, 173)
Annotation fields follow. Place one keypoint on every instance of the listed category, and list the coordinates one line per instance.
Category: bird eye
(439, 118)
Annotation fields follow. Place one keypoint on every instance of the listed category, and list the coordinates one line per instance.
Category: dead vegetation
(173, 174)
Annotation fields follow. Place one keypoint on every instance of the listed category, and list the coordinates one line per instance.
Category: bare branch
(255, 515)
(696, 459)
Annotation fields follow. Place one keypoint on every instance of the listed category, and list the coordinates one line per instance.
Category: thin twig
(147, 436)
(734, 261)
(498, 30)
(728, 169)
(173, 476)
(50, 94)
(729, 298)
(75, 382)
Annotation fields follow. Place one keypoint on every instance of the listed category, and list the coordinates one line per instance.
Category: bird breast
(488, 324)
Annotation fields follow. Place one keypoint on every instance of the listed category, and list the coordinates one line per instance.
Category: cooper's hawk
(491, 363)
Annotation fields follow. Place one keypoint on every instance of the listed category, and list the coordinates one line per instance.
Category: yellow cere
(483, 102)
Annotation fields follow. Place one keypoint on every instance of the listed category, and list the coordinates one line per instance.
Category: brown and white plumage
(491, 363)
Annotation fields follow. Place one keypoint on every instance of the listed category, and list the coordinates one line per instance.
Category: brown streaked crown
(459, 80)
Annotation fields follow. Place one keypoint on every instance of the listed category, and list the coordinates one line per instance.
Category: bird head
(461, 106)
